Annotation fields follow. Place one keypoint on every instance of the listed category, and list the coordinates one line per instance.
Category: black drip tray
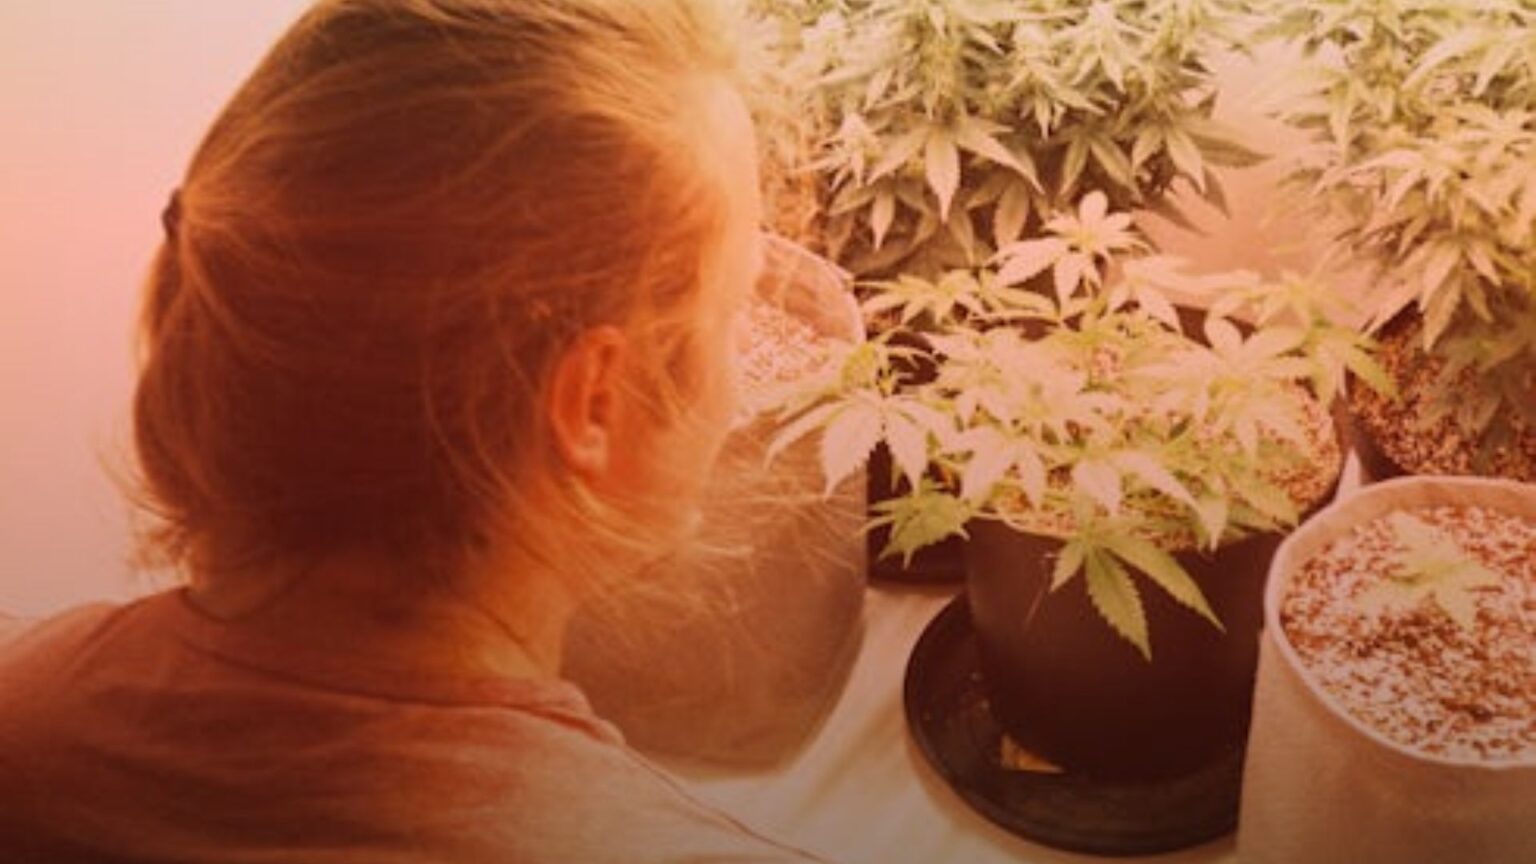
(948, 715)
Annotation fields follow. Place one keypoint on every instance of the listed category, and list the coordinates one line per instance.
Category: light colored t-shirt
(150, 732)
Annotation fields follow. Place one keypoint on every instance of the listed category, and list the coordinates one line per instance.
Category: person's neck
(501, 619)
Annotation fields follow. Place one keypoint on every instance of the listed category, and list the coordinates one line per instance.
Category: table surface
(861, 792)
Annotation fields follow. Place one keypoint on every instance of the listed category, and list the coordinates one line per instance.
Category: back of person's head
(381, 248)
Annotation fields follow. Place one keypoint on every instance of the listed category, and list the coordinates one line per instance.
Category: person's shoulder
(12, 626)
(61, 636)
(18, 633)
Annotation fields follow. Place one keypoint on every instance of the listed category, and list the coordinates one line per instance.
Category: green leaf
(1023, 261)
(1365, 367)
(1113, 160)
(1072, 165)
(1099, 480)
(1152, 472)
(1216, 194)
(1032, 474)
(1115, 598)
(1270, 500)
(963, 231)
(1164, 570)
(1155, 303)
(1068, 273)
(1223, 336)
(1011, 214)
(897, 152)
(922, 518)
(881, 213)
(975, 135)
(1213, 512)
(1439, 310)
(1439, 261)
(942, 162)
(848, 440)
(1428, 564)
(1148, 141)
(1453, 46)
(989, 461)
(1069, 561)
(909, 446)
(1186, 157)
(800, 427)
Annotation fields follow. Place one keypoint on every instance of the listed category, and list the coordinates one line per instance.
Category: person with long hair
(437, 345)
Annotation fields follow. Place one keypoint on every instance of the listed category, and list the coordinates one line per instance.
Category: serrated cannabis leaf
(942, 165)
(1428, 565)
(1423, 132)
(847, 441)
(909, 445)
(921, 518)
(954, 94)
(1115, 598)
(1100, 481)
(1069, 561)
(1164, 570)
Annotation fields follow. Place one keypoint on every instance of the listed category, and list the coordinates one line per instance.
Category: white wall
(102, 102)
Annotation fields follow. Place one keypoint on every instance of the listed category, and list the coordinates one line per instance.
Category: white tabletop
(861, 792)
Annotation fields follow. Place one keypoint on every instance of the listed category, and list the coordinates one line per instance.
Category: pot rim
(1376, 500)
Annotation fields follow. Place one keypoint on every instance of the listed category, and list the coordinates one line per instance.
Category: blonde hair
(383, 244)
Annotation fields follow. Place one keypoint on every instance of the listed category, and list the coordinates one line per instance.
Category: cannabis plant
(1086, 413)
(944, 130)
(1426, 564)
(1424, 115)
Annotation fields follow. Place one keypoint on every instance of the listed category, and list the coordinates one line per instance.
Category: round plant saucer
(949, 717)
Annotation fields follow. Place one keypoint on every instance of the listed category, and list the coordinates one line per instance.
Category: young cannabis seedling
(1428, 565)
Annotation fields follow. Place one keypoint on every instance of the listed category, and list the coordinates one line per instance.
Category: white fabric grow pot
(732, 650)
(1320, 786)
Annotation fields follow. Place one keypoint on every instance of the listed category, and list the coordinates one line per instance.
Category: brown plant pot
(1376, 462)
(1065, 686)
(733, 649)
(1324, 784)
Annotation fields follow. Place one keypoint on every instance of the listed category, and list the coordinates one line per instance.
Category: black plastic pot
(1064, 685)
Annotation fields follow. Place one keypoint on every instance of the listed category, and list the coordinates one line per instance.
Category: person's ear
(582, 400)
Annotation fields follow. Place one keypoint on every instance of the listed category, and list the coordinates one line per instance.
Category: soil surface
(1408, 668)
(1407, 434)
(779, 348)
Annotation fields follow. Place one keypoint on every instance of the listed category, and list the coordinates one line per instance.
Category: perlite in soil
(1422, 624)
